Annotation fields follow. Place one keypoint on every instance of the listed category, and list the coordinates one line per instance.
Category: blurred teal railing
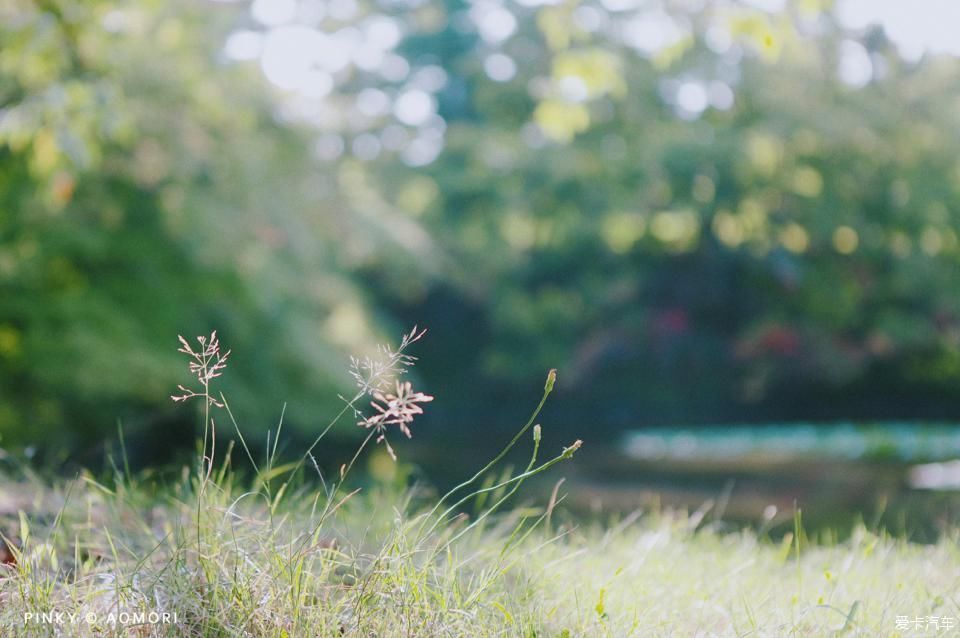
(899, 441)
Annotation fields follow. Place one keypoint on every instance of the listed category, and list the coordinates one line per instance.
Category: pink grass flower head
(398, 408)
(207, 364)
(375, 376)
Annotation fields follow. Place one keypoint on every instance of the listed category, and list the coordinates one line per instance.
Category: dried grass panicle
(376, 373)
(208, 363)
(373, 376)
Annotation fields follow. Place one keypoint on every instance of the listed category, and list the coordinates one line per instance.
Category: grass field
(231, 562)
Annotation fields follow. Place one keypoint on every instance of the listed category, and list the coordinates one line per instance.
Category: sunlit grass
(292, 567)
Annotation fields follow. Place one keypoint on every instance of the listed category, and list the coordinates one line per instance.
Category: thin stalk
(567, 453)
(547, 389)
(505, 497)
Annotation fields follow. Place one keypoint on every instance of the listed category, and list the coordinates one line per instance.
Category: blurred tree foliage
(146, 191)
(695, 212)
(699, 215)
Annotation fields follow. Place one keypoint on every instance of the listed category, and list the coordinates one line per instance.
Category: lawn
(309, 562)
